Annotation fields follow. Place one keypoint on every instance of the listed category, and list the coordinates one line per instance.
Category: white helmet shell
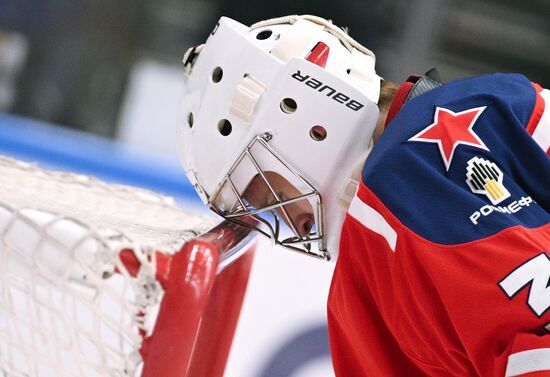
(251, 81)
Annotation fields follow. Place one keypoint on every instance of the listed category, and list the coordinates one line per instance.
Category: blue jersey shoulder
(456, 164)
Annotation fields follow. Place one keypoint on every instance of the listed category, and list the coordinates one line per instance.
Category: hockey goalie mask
(288, 100)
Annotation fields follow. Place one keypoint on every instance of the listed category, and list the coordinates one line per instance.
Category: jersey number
(536, 272)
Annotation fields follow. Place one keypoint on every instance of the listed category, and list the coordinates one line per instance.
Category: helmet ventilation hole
(288, 105)
(264, 34)
(190, 119)
(318, 133)
(217, 74)
(225, 127)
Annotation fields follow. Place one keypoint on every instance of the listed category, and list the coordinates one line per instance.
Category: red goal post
(106, 280)
(201, 305)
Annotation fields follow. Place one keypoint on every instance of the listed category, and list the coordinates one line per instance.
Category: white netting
(68, 305)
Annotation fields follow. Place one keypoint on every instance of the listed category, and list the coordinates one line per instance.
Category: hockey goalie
(433, 198)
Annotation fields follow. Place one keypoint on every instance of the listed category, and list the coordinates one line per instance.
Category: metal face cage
(230, 203)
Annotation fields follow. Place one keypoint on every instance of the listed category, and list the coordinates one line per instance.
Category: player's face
(259, 195)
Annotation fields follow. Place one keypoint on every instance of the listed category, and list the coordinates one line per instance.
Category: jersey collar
(415, 85)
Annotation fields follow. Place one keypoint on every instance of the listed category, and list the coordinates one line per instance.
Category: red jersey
(444, 264)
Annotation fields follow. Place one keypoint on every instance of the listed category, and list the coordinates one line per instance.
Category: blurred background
(83, 82)
(70, 62)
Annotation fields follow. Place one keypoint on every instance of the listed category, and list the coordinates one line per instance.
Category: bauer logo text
(328, 91)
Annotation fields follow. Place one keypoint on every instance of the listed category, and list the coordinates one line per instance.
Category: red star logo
(451, 129)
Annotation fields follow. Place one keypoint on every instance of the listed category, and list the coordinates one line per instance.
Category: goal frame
(201, 305)
(100, 279)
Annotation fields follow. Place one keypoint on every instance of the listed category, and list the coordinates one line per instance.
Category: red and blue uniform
(444, 264)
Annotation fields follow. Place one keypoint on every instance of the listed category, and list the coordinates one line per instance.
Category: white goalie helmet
(295, 96)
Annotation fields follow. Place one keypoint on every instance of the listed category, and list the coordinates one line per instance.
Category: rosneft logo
(485, 178)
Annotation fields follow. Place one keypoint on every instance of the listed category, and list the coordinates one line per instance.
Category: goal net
(105, 280)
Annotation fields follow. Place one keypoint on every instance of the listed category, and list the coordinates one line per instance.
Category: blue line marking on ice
(64, 149)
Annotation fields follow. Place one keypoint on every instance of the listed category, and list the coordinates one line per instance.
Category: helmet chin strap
(340, 207)
(348, 190)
